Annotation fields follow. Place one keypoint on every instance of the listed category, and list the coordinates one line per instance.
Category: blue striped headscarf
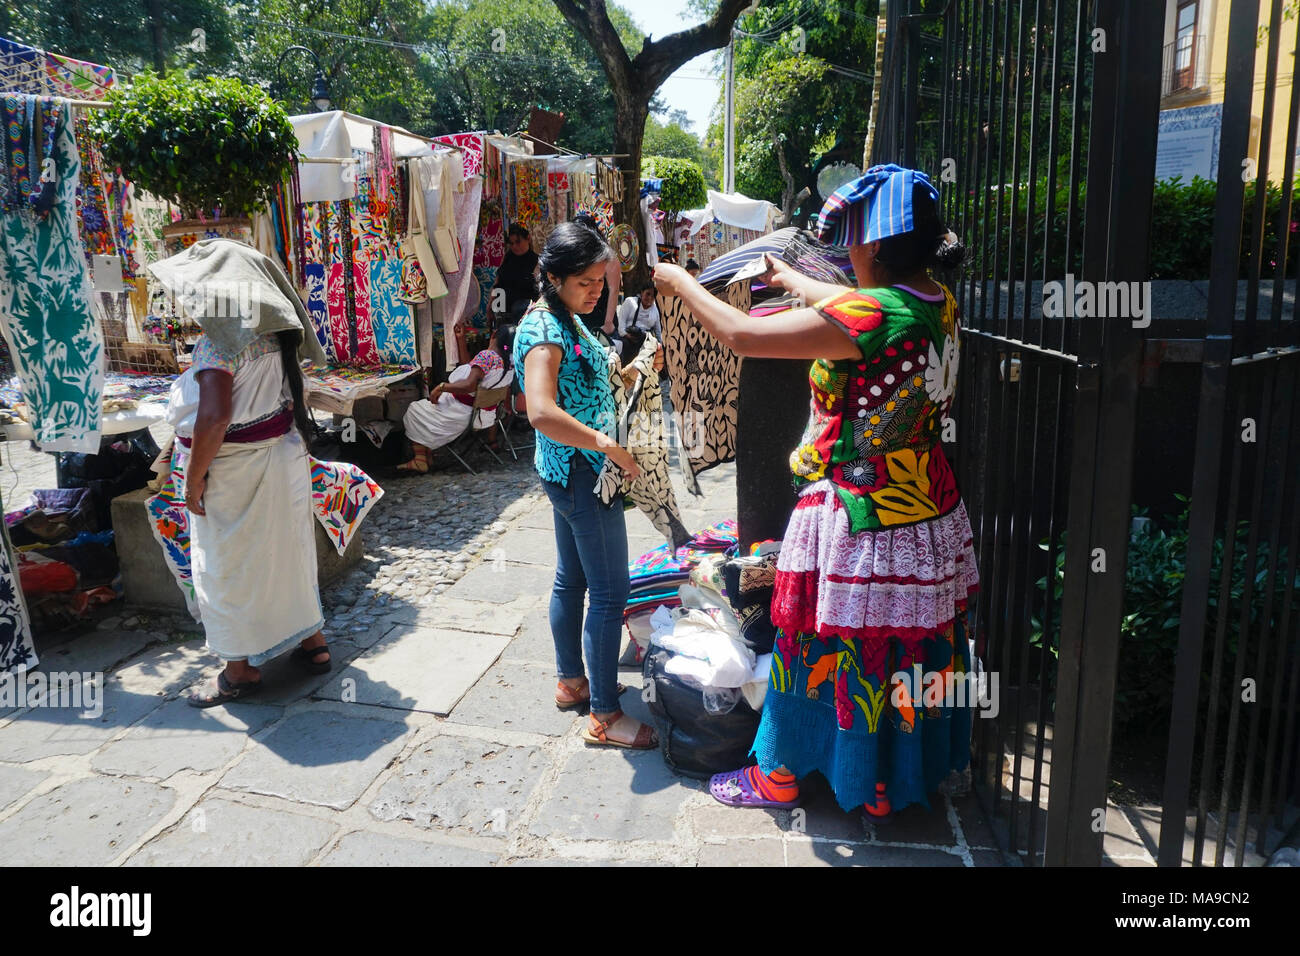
(876, 205)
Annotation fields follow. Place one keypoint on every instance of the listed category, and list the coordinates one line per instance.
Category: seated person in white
(442, 417)
(640, 312)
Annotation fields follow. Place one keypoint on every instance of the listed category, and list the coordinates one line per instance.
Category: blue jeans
(591, 544)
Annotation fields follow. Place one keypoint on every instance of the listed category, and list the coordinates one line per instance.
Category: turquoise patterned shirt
(583, 388)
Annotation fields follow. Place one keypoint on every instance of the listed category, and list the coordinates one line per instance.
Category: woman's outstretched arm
(796, 334)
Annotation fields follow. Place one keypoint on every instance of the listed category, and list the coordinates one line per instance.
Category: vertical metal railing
(1230, 780)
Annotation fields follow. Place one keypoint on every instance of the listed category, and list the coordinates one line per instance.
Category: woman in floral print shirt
(877, 563)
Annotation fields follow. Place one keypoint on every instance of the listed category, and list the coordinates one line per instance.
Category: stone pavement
(434, 740)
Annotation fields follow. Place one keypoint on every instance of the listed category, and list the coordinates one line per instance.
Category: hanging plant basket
(205, 144)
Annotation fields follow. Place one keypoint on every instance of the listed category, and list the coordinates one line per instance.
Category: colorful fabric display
(528, 192)
(55, 341)
(342, 494)
(78, 79)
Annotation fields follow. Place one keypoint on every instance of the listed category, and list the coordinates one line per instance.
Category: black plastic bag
(695, 743)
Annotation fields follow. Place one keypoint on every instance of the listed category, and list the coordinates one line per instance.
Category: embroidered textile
(54, 339)
(640, 416)
(875, 422)
(705, 377)
(471, 151)
(17, 652)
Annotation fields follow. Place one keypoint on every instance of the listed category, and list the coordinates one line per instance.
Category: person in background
(692, 268)
(517, 275)
(572, 407)
(442, 418)
(877, 565)
(641, 312)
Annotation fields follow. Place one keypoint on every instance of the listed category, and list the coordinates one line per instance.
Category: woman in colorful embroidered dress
(877, 564)
(242, 429)
(442, 418)
(571, 405)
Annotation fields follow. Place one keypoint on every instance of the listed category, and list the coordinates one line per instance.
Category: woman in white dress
(443, 417)
(242, 429)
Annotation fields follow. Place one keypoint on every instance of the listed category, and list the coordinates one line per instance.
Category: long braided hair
(290, 339)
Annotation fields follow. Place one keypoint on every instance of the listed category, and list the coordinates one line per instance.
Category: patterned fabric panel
(489, 361)
(56, 343)
(705, 377)
(390, 315)
(315, 276)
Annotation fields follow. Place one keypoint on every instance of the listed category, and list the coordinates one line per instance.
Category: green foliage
(387, 82)
(129, 35)
(1153, 595)
(216, 142)
(683, 186)
(493, 60)
(780, 108)
(802, 81)
(671, 139)
(1182, 219)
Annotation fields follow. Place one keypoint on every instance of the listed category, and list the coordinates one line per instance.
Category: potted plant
(215, 147)
(683, 188)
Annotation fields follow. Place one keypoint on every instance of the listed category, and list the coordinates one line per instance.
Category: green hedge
(1182, 230)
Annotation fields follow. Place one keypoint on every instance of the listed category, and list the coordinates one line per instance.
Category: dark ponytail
(290, 339)
(926, 246)
(571, 248)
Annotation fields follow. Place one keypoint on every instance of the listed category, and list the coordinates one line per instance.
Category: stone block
(476, 617)
(83, 823)
(499, 582)
(16, 781)
(458, 783)
(810, 853)
(319, 756)
(744, 853)
(365, 848)
(515, 697)
(51, 731)
(177, 736)
(606, 793)
(417, 668)
(221, 832)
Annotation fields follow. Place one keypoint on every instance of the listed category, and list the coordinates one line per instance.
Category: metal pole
(729, 137)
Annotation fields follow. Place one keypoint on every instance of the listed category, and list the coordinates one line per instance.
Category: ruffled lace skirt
(859, 617)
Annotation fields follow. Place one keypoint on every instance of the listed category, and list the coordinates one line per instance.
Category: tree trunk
(629, 131)
(154, 8)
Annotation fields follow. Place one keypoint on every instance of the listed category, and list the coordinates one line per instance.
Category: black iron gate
(1044, 116)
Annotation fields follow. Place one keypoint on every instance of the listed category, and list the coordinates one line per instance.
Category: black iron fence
(1103, 607)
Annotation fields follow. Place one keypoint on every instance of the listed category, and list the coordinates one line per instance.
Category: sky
(690, 88)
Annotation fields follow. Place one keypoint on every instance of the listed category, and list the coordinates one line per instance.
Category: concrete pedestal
(148, 582)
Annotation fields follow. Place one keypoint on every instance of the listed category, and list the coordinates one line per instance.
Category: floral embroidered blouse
(875, 426)
(582, 387)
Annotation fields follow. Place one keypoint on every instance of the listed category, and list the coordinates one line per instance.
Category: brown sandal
(566, 698)
(597, 733)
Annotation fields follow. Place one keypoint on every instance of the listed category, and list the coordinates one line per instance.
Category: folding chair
(485, 399)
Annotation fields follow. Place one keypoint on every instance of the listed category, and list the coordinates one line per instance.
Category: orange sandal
(419, 463)
(597, 733)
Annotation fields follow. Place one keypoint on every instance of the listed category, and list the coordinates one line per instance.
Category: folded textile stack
(658, 573)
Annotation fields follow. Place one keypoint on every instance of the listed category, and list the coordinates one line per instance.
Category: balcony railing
(1185, 65)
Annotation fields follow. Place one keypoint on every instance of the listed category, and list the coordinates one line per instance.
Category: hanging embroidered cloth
(640, 415)
(54, 339)
(528, 192)
(342, 494)
(471, 151)
(705, 377)
(17, 652)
